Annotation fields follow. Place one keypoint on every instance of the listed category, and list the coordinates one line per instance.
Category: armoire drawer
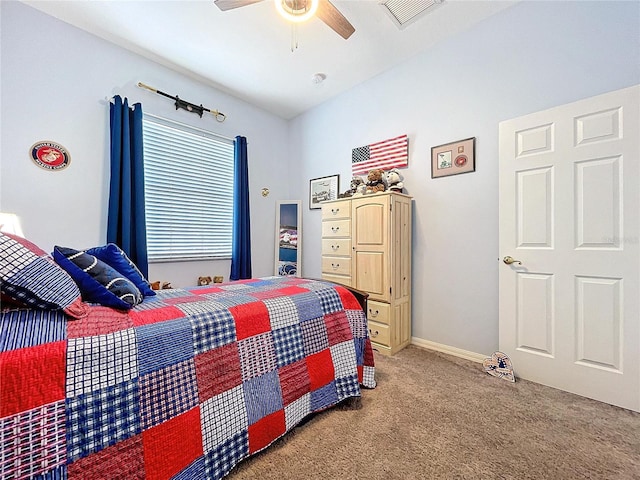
(336, 246)
(378, 311)
(336, 228)
(341, 279)
(336, 265)
(336, 210)
(379, 333)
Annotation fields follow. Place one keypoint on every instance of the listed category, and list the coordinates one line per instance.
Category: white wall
(529, 57)
(55, 78)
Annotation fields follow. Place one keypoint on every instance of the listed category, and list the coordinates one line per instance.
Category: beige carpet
(436, 416)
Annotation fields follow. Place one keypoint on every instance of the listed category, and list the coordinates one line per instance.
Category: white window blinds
(188, 191)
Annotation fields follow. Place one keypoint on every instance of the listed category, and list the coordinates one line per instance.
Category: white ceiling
(246, 52)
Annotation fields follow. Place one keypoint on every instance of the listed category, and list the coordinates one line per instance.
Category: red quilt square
(218, 370)
(294, 381)
(320, 366)
(100, 321)
(173, 445)
(280, 292)
(266, 430)
(145, 317)
(251, 319)
(349, 301)
(338, 327)
(32, 377)
(368, 354)
(122, 460)
(204, 291)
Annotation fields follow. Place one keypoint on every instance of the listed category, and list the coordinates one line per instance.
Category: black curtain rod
(188, 106)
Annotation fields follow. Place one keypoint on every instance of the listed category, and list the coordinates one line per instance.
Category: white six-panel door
(569, 211)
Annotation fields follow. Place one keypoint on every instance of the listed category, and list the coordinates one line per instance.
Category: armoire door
(370, 224)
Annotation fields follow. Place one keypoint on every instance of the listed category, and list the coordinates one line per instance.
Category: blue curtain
(241, 236)
(126, 225)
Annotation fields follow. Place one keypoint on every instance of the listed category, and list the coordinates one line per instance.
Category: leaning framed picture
(323, 188)
(453, 158)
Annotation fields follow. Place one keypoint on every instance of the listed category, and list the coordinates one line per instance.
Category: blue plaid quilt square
(97, 362)
(163, 344)
(308, 305)
(330, 300)
(347, 387)
(212, 330)
(295, 412)
(18, 327)
(314, 336)
(262, 396)
(225, 456)
(324, 397)
(58, 473)
(222, 418)
(99, 419)
(344, 358)
(257, 355)
(230, 299)
(282, 312)
(167, 393)
(201, 306)
(288, 345)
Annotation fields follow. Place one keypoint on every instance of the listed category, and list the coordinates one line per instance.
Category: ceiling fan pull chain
(294, 37)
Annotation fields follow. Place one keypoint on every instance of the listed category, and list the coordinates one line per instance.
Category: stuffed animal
(375, 181)
(204, 281)
(353, 187)
(160, 286)
(394, 180)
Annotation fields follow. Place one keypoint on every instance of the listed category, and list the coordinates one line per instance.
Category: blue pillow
(98, 282)
(112, 255)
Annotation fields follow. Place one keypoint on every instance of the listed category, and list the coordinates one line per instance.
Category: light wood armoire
(366, 244)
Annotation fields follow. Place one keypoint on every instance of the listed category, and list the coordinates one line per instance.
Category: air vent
(404, 12)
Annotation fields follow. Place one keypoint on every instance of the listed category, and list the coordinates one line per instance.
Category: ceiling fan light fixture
(297, 10)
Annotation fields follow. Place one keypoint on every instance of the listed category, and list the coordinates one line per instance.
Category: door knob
(509, 260)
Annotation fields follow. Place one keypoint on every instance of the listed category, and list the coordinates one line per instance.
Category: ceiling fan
(300, 10)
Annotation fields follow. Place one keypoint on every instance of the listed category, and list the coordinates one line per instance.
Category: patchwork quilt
(184, 385)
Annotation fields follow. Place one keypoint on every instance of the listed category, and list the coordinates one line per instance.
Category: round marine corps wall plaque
(50, 155)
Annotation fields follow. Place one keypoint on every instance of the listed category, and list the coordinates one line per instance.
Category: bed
(183, 385)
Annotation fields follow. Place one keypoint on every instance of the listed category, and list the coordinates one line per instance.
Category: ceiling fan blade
(225, 5)
(334, 19)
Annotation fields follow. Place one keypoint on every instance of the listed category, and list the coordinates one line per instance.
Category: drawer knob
(373, 314)
(335, 247)
(335, 229)
(335, 266)
(373, 334)
(334, 211)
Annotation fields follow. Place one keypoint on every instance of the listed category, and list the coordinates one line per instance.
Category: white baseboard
(456, 352)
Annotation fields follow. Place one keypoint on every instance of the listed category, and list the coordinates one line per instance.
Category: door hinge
(390, 290)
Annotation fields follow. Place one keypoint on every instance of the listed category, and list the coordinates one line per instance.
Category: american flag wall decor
(388, 154)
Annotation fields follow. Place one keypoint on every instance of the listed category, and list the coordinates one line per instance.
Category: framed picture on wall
(288, 252)
(453, 158)
(322, 189)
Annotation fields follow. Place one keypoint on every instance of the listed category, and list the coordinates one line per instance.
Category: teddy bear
(375, 181)
(204, 281)
(353, 187)
(160, 286)
(394, 180)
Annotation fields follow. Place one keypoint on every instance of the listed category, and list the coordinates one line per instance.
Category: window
(188, 191)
